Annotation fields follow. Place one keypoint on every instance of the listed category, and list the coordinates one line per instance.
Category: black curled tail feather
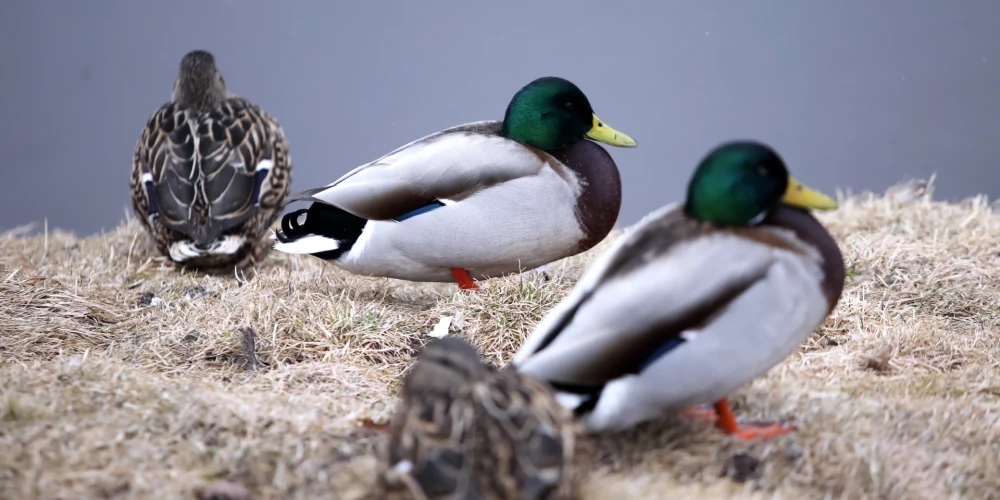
(323, 220)
(290, 228)
(591, 395)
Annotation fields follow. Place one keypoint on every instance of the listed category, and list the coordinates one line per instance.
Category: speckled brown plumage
(201, 152)
(465, 431)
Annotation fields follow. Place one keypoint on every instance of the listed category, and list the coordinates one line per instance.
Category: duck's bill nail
(800, 195)
(602, 132)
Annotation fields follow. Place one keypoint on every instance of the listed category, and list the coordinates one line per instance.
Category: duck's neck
(601, 197)
(198, 94)
(535, 134)
(810, 231)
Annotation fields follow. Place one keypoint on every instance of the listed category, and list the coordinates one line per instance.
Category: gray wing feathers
(629, 315)
(308, 194)
(451, 164)
(602, 269)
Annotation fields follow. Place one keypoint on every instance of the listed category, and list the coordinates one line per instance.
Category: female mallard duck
(464, 430)
(210, 172)
(696, 300)
(474, 201)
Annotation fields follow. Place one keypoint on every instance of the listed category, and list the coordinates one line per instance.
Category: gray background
(855, 94)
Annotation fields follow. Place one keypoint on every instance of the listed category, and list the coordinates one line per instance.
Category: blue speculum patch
(660, 351)
(422, 210)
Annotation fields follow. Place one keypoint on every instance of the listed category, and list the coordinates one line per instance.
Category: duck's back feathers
(448, 165)
(206, 165)
(464, 430)
(209, 183)
(522, 413)
(209, 172)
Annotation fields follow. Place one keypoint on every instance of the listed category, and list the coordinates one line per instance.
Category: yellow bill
(798, 195)
(602, 132)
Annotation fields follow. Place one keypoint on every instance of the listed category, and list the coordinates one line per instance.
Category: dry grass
(122, 378)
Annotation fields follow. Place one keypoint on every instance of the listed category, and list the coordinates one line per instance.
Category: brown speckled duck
(462, 430)
(474, 201)
(210, 172)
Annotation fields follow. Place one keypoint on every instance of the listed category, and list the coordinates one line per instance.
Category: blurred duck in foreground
(696, 300)
(210, 172)
(473, 201)
(462, 430)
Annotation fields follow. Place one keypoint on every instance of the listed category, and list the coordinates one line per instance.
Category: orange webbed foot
(748, 432)
(463, 279)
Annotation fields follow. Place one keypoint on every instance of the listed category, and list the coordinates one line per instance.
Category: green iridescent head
(739, 182)
(552, 112)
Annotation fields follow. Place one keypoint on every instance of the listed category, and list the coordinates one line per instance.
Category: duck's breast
(600, 198)
(811, 231)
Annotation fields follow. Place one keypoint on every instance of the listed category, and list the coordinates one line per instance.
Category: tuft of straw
(126, 376)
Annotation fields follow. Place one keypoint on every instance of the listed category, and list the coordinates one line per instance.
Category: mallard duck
(464, 430)
(696, 300)
(210, 172)
(474, 201)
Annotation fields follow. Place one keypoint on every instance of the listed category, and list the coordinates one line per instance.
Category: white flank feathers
(308, 244)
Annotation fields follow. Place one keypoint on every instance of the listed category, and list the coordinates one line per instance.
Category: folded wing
(645, 293)
(449, 165)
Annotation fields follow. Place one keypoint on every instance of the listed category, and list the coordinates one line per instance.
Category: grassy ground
(124, 378)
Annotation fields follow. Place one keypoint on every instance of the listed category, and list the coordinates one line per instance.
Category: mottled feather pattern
(519, 410)
(489, 434)
(203, 166)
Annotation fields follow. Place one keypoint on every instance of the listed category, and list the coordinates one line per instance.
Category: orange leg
(727, 422)
(463, 279)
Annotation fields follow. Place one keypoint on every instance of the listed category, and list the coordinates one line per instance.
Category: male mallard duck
(464, 430)
(474, 201)
(696, 300)
(210, 172)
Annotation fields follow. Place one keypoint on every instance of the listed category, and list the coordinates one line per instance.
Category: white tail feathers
(570, 401)
(308, 244)
(186, 249)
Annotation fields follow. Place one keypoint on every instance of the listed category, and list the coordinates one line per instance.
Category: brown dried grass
(897, 396)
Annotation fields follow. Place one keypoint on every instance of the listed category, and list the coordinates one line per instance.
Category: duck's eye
(569, 105)
(763, 171)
